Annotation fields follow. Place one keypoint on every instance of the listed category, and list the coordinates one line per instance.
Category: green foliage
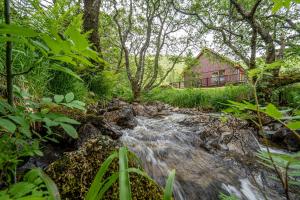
(278, 4)
(103, 84)
(290, 121)
(19, 138)
(71, 47)
(169, 186)
(287, 96)
(124, 183)
(285, 166)
(36, 185)
(96, 190)
(61, 83)
(212, 98)
(288, 163)
(122, 88)
(223, 196)
(66, 51)
(100, 186)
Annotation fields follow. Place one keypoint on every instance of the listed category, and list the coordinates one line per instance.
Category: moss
(75, 172)
(72, 113)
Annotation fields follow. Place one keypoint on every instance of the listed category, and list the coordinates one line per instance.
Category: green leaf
(31, 198)
(65, 59)
(51, 186)
(65, 70)
(140, 172)
(276, 7)
(21, 189)
(74, 33)
(293, 125)
(69, 97)
(66, 120)
(124, 183)
(50, 122)
(70, 130)
(58, 98)
(52, 44)
(8, 125)
(273, 112)
(97, 182)
(108, 183)
(169, 186)
(18, 119)
(17, 30)
(76, 104)
(26, 131)
(46, 100)
(82, 60)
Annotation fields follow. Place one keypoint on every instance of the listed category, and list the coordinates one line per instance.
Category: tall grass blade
(108, 183)
(97, 183)
(140, 172)
(124, 183)
(169, 186)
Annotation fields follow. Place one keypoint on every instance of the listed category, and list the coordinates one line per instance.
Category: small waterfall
(164, 144)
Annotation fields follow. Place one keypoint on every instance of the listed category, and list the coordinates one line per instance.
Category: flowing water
(164, 144)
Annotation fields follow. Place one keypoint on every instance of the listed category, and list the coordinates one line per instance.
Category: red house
(212, 70)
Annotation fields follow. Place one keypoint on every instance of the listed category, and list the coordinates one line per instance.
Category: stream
(166, 143)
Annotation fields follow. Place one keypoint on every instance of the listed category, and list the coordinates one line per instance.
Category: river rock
(76, 170)
(123, 117)
(91, 122)
(151, 109)
(282, 136)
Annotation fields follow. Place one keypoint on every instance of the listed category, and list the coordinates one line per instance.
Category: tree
(91, 21)
(8, 57)
(146, 30)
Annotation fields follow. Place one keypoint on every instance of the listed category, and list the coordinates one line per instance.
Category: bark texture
(91, 21)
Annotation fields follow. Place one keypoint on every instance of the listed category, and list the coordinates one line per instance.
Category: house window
(222, 76)
(218, 77)
(215, 78)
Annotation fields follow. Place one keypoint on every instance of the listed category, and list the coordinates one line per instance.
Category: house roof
(220, 56)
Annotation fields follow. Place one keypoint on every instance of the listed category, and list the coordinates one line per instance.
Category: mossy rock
(75, 171)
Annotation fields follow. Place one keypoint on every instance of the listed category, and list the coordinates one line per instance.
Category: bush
(62, 83)
(287, 96)
(102, 84)
(203, 98)
(107, 85)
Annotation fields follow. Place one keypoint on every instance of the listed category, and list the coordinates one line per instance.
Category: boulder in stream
(76, 170)
(123, 117)
(282, 137)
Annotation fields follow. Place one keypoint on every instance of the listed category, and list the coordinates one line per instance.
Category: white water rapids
(164, 144)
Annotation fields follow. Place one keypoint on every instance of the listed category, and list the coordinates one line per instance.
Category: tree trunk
(8, 61)
(91, 21)
(136, 94)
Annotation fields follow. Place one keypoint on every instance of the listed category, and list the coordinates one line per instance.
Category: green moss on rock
(75, 171)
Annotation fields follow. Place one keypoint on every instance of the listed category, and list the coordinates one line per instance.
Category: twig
(25, 72)
(267, 146)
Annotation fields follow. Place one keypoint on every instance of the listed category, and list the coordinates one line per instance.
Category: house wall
(208, 64)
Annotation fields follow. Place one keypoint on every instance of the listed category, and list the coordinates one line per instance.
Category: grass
(202, 98)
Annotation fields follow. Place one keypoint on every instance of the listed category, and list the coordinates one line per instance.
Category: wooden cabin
(213, 70)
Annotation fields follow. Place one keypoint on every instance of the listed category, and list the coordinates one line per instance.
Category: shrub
(107, 85)
(20, 136)
(62, 83)
(287, 96)
(103, 83)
